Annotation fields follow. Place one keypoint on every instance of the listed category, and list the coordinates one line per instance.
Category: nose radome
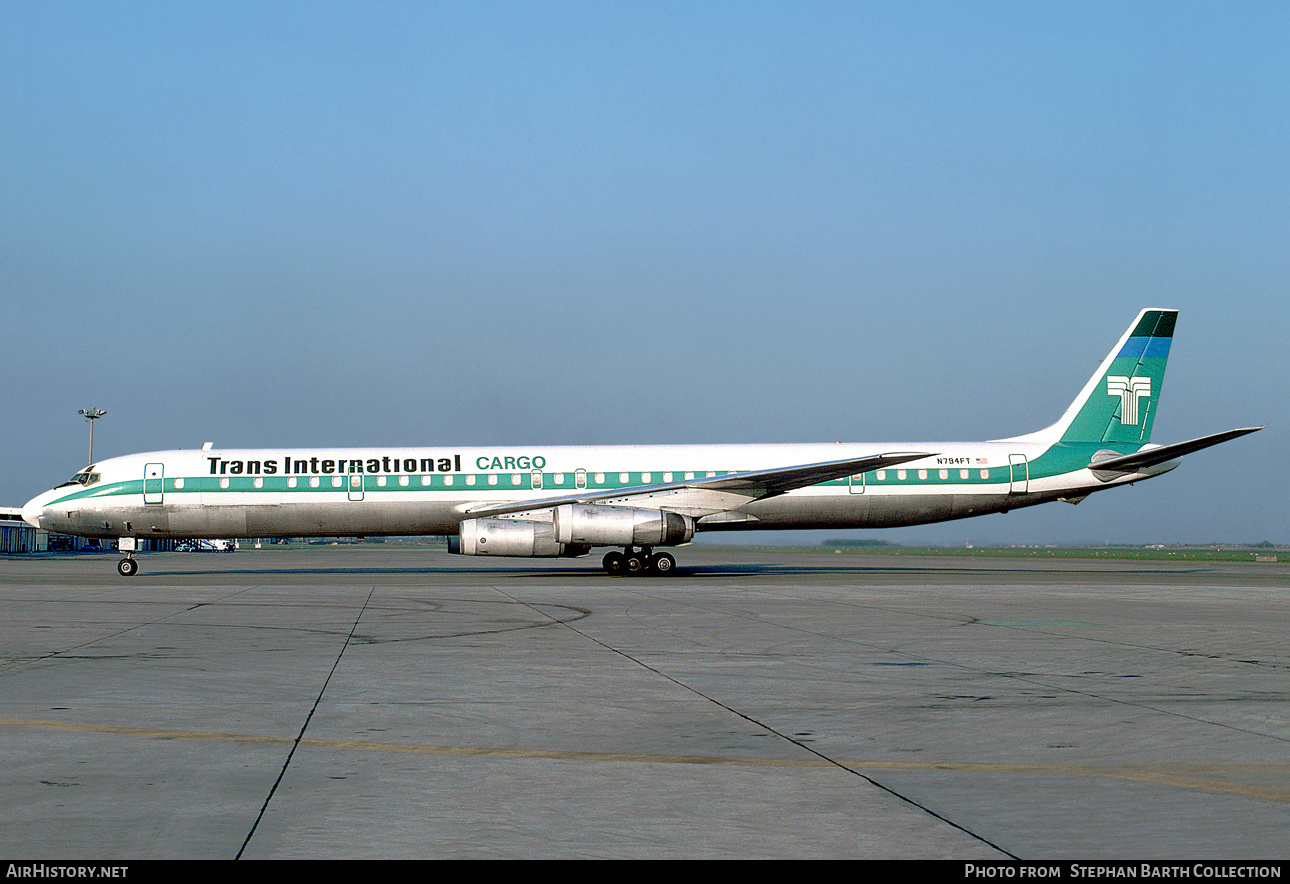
(32, 512)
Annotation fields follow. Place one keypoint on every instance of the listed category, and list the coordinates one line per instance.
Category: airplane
(550, 501)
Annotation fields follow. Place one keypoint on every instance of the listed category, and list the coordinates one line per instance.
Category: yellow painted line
(1196, 777)
(82, 728)
(367, 746)
(1183, 776)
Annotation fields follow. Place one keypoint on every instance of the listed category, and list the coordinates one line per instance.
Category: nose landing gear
(127, 567)
(633, 562)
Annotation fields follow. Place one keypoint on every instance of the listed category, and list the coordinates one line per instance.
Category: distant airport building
(16, 536)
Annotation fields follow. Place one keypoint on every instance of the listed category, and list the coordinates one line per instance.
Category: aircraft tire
(663, 564)
(636, 565)
(615, 564)
(127, 567)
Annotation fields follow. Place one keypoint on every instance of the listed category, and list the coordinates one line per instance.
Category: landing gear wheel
(636, 564)
(615, 564)
(127, 567)
(663, 564)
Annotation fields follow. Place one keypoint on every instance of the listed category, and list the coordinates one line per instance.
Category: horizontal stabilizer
(1140, 460)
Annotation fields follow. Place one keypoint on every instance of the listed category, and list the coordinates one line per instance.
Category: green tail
(1118, 404)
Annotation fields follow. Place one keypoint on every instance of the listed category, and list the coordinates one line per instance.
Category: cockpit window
(84, 477)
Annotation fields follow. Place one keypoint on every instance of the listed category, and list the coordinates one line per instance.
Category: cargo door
(1019, 482)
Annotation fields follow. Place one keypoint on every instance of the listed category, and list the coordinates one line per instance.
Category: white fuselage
(409, 491)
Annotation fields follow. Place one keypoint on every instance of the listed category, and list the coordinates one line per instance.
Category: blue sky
(553, 223)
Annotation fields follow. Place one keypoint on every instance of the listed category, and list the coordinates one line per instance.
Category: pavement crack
(795, 740)
(305, 726)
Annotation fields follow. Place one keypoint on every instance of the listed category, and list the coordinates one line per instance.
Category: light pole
(92, 415)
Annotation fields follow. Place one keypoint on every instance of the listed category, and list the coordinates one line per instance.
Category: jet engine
(572, 532)
(509, 537)
(620, 526)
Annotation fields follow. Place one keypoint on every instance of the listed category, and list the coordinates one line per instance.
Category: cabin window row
(537, 479)
(902, 475)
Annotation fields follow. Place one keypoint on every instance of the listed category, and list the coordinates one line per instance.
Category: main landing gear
(632, 562)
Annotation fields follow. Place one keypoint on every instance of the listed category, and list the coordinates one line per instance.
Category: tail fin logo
(1131, 391)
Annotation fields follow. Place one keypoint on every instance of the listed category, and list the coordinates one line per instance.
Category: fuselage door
(355, 486)
(1020, 474)
(154, 480)
(856, 483)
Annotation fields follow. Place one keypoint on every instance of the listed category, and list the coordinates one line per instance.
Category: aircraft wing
(1131, 463)
(710, 494)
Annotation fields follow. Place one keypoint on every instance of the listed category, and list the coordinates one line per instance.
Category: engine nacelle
(620, 526)
(507, 537)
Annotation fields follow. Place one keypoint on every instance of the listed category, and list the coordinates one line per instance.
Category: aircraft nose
(32, 512)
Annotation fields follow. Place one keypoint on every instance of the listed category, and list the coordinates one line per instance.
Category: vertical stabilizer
(1118, 404)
